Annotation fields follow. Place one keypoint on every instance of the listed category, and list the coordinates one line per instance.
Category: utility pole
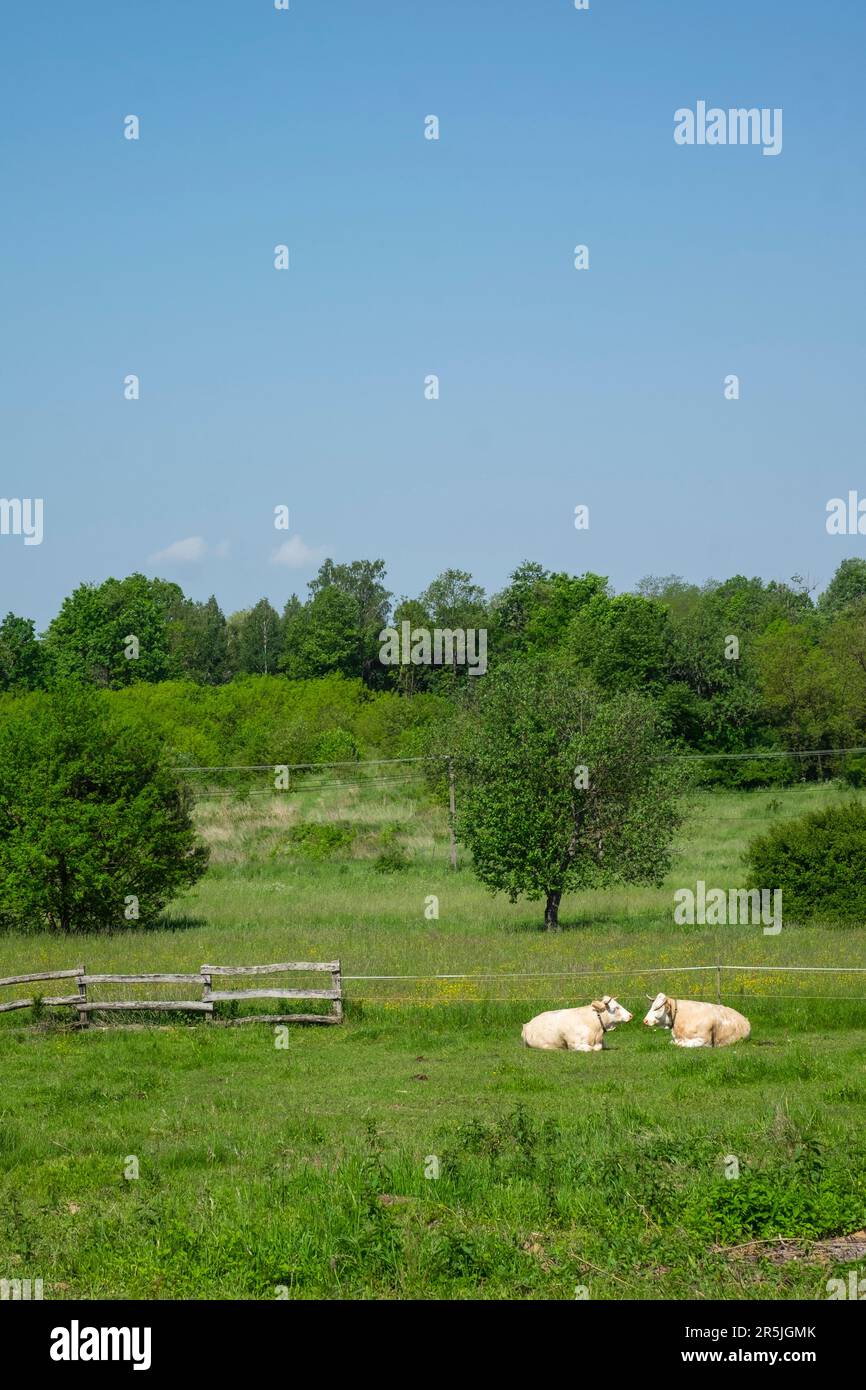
(452, 808)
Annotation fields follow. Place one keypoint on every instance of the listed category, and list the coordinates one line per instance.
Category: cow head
(611, 1012)
(660, 1012)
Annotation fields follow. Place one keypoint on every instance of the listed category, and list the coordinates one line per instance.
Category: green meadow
(418, 1150)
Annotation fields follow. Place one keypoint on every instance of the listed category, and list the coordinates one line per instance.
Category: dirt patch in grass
(838, 1249)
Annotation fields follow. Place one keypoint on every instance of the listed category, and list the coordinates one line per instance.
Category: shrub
(392, 858)
(336, 746)
(807, 1197)
(819, 863)
(318, 841)
(90, 816)
(854, 770)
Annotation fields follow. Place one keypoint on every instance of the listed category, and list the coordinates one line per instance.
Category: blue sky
(411, 257)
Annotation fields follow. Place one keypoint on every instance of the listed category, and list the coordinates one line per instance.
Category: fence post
(206, 986)
(718, 983)
(452, 810)
(82, 998)
(337, 983)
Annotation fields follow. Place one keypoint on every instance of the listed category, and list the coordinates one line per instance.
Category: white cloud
(297, 555)
(185, 552)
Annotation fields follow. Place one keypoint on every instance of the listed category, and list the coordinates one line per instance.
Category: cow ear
(598, 1006)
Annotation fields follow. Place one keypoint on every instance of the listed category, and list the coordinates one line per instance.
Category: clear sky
(410, 257)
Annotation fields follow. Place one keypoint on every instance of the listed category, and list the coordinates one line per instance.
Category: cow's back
(558, 1028)
(717, 1023)
(731, 1026)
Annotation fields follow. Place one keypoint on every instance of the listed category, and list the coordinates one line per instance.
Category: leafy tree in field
(801, 688)
(534, 612)
(846, 587)
(519, 747)
(21, 660)
(730, 714)
(844, 641)
(89, 638)
(255, 640)
(676, 593)
(411, 679)
(620, 642)
(90, 816)
(362, 581)
(749, 605)
(453, 601)
(512, 608)
(558, 601)
(323, 636)
(198, 641)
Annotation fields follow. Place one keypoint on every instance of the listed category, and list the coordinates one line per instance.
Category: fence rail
(87, 1005)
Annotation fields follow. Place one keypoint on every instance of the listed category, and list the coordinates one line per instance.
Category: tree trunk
(551, 911)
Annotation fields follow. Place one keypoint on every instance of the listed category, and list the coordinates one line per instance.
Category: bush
(808, 1197)
(90, 818)
(819, 863)
(392, 858)
(854, 770)
(319, 841)
(336, 746)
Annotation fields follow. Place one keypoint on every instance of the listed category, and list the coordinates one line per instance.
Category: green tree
(560, 789)
(534, 611)
(727, 711)
(844, 641)
(801, 688)
(847, 586)
(21, 659)
(255, 640)
(91, 817)
(410, 679)
(323, 636)
(363, 581)
(558, 599)
(453, 601)
(198, 641)
(620, 642)
(676, 593)
(91, 637)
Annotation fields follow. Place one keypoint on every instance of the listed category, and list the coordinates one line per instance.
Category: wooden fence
(86, 1005)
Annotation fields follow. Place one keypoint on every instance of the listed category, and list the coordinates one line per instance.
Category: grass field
(311, 1168)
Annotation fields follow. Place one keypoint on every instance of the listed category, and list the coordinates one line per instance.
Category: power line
(314, 787)
(306, 767)
(358, 764)
(771, 753)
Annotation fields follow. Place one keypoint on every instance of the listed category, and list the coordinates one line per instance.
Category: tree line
(734, 665)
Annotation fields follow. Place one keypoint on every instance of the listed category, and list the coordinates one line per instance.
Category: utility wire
(445, 757)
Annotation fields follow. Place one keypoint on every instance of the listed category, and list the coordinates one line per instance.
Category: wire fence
(603, 973)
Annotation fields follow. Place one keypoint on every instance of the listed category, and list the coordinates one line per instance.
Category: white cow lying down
(579, 1030)
(694, 1024)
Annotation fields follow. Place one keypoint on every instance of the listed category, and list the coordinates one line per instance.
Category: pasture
(312, 1169)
